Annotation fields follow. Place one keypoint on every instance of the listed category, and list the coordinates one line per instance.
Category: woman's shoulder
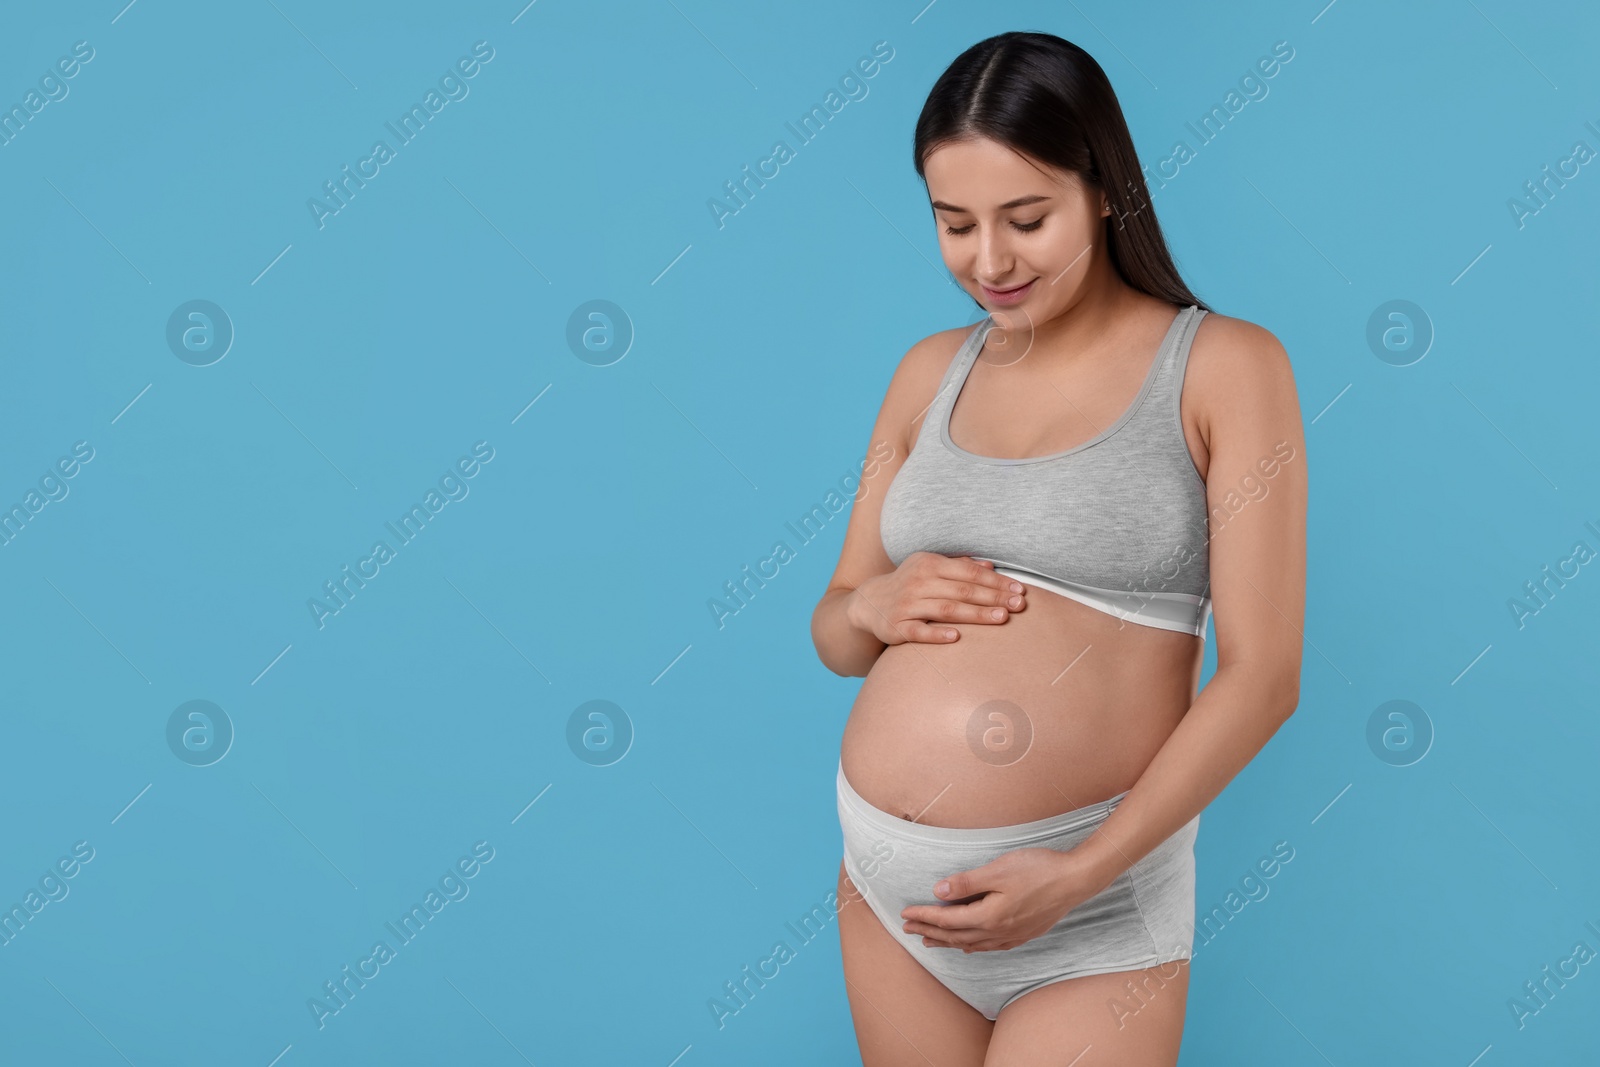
(916, 379)
(925, 363)
(935, 351)
(1235, 364)
(1225, 345)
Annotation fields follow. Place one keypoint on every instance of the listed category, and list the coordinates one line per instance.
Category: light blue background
(428, 714)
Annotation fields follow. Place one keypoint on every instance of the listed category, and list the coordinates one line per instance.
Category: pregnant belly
(1058, 707)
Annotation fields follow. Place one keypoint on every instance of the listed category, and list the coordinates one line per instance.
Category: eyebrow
(1018, 202)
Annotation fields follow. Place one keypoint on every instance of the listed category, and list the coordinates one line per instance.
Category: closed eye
(1021, 227)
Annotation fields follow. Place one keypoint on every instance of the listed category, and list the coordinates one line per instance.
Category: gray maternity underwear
(1144, 918)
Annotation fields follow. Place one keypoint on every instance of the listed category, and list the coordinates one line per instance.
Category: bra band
(1183, 612)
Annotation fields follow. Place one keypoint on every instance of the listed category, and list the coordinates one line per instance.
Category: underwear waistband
(1016, 835)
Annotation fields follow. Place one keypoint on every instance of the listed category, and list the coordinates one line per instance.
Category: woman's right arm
(870, 603)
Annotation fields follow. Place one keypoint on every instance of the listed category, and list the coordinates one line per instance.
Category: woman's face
(1007, 221)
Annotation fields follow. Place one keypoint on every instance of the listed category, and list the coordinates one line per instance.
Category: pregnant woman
(1075, 484)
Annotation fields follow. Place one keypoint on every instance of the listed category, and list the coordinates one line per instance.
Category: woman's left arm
(1248, 412)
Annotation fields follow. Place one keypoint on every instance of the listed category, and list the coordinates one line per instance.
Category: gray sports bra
(1117, 523)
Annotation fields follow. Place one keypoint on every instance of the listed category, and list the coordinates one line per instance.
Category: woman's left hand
(1019, 895)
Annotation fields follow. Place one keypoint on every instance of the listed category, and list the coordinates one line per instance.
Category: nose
(994, 256)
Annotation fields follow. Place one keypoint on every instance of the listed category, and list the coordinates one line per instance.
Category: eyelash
(1023, 227)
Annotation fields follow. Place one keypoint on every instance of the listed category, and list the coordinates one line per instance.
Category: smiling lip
(1006, 296)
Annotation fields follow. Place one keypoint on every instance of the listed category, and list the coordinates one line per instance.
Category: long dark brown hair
(1047, 98)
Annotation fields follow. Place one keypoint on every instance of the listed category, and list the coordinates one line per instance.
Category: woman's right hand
(909, 602)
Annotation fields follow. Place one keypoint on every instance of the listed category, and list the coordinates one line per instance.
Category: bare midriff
(1059, 707)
